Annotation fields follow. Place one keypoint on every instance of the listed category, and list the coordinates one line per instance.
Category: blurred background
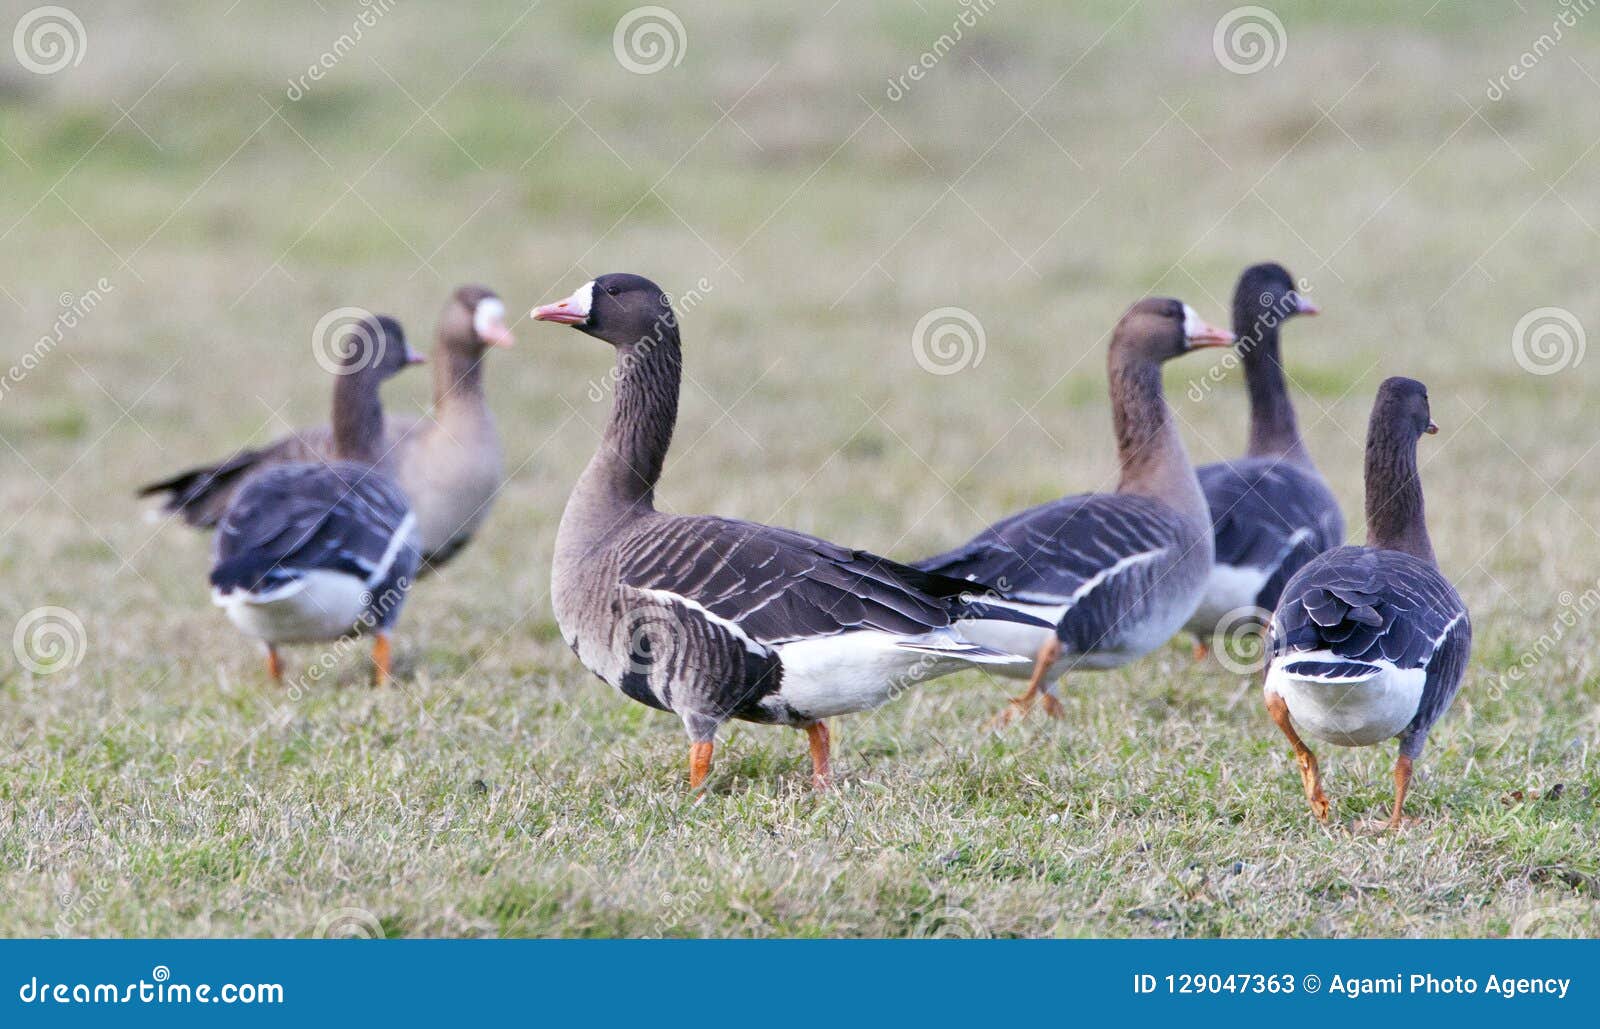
(907, 230)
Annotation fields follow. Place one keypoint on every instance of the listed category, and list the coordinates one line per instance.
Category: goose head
(1265, 298)
(619, 308)
(1157, 329)
(375, 346)
(1402, 409)
(474, 318)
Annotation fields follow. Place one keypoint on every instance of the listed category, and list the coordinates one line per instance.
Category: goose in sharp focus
(716, 619)
(314, 551)
(1271, 510)
(1371, 642)
(1118, 573)
(449, 463)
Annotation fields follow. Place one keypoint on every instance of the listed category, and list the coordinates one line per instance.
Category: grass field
(176, 219)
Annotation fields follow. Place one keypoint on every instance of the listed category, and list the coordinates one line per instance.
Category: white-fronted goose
(716, 619)
(1271, 510)
(309, 552)
(449, 463)
(1116, 574)
(1372, 642)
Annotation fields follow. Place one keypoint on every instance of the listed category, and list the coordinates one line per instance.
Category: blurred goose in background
(1271, 510)
(310, 552)
(1115, 574)
(448, 463)
(713, 618)
(1372, 642)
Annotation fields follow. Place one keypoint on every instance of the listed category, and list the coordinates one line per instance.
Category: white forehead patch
(582, 300)
(490, 314)
(1192, 325)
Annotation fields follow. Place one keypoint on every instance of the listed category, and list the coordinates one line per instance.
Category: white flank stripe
(709, 615)
(398, 540)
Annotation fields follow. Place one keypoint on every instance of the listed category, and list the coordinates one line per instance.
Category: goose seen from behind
(1371, 642)
(1271, 510)
(713, 618)
(1113, 575)
(448, 463)
(316, 551)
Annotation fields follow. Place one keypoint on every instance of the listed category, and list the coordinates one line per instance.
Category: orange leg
(1202, 649)
(1310, 776)
(1402, 782)
(380, 659)
(274, 664)
(1020, 706)
(821, 747)
(699, 764)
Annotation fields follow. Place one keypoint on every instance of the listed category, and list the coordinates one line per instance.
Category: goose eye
(612, 290)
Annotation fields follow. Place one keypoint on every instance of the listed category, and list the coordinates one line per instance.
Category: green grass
(160, 786)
